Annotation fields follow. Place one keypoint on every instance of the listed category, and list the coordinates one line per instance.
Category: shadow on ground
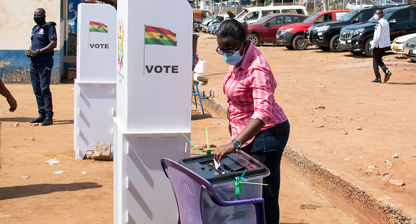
(16, 119)
(402, 83)
(28, 119)
(38, 189)
(195, 116)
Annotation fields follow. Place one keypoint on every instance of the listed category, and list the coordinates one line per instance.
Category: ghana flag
(98, 27)
(159, 36)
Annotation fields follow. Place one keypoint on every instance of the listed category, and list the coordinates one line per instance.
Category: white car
(253, 14)
(399, 42)
(359, 4)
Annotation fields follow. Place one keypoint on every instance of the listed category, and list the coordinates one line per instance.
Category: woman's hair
(232, 28)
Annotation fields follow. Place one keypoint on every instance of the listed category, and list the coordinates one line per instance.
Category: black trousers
(40, 75)
(378, 54)
(267, 147)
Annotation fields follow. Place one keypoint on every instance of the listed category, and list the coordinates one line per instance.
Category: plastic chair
(187, 186)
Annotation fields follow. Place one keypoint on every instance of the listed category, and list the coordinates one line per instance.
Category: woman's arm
(253, 127)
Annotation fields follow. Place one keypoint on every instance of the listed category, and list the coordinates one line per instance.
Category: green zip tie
(245, 182)
(192, 144)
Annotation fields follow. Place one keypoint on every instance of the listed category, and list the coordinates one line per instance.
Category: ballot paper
(216, 164)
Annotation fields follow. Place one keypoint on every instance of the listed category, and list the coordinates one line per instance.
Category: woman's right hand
(223, 150)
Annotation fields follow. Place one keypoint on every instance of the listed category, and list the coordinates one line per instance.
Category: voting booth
(95, 85)
(154, 87)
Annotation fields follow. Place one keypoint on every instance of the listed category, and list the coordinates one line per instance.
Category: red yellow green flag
(98, 27)
(159, 36)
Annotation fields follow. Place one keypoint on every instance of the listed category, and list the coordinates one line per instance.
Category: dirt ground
(338, 118)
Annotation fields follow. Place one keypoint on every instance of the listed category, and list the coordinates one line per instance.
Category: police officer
(41, 54)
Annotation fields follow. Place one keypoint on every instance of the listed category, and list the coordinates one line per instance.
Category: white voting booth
(95, 85)
(154, 87)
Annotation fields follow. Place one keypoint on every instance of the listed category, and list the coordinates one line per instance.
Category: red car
(264, 30)
(292, 35)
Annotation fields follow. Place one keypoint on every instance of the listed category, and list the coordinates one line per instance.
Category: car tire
(299, 43)
(289, 47)
(324, 48)
(254, 38)
(333, 44)
(367, 48)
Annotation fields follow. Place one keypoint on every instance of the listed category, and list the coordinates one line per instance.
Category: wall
(16, 22)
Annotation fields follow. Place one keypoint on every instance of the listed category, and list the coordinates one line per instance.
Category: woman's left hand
(223, 150)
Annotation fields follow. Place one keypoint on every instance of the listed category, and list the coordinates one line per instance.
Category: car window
(276, 20)
(299, 11)
(300, 18)
(324, 18)
(265, 13)
(366, 15)
(252, 16)
(401, 16)
(276, 11)
(289, 19)
(291, 11)
(338, 15)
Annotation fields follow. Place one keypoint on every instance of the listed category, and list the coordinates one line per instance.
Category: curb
(362, 204)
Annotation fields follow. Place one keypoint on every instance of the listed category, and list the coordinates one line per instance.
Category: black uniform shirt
(41, 37)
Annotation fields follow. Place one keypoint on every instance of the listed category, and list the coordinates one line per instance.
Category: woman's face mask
(231, 57)
(375, 16)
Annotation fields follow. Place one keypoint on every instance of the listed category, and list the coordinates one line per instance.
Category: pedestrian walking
(43, 41)
(257, 124)
(379, 45)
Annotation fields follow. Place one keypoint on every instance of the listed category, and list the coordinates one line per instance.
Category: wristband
(37, 51)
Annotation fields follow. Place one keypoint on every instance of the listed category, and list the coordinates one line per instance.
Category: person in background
(257, 123)
(379, 45)
(44, 40)
(10, 99)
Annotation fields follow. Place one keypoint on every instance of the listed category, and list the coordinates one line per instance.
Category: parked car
(357, 37)
(264, 30)
(326, 35)
(359, 4)
(213, 28)
(251, 15)
(410, 49)
(291, 36)
(400, 42)
(216, 19)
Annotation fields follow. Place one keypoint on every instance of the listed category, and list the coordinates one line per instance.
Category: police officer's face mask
(39, 20)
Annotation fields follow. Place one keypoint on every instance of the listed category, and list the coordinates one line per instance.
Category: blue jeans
(40, 76)
(267, 147)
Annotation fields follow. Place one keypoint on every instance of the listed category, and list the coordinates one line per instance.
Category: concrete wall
(16, 22)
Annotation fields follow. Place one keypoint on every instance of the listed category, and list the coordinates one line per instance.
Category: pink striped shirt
(250, 93)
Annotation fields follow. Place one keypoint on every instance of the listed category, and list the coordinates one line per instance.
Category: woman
(257, 124)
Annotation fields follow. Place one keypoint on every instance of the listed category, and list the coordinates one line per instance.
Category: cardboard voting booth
(95, 85)
(154, 87)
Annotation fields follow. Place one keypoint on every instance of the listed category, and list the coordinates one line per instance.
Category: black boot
(378, 80)
(39, 119)
(47, 121)
(387, 77)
